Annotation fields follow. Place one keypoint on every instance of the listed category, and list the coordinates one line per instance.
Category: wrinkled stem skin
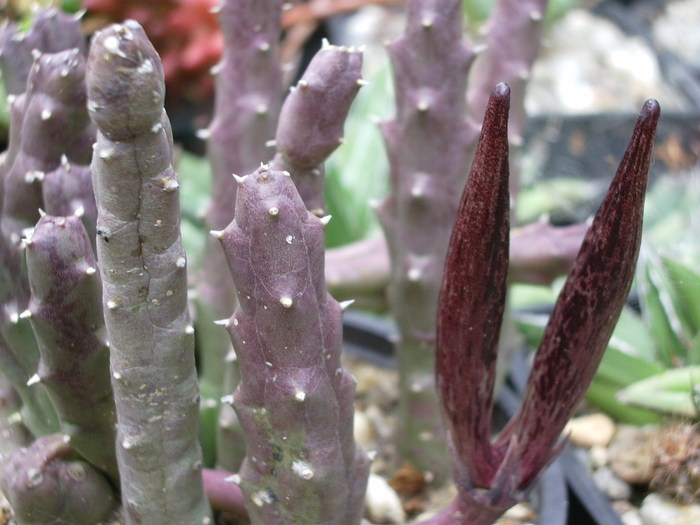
(46, 484)
(311, 121)
(295, 401)
(491, 475)
(143, 270)
(247, 105)
(65, 311)
(428, 147)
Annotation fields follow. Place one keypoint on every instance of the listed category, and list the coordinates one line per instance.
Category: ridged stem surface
(47, 122)
(65, 310)
(295, 401)
(311, 121)
(143, 269)
(52, 31)
(247, 104)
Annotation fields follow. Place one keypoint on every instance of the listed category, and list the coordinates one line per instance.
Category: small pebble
(382, 503)
(658, 510)
(611, 485)
(631, 453)
(363, 431)
(598, 456)
(591, 430)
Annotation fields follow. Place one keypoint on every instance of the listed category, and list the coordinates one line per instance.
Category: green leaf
(71, 6)
(621, 369)
(604, 397)
(659, 308)
(674, 392)
(195, 190)
(687, 285)
(632, 337)
(559, 198)
(671, 216)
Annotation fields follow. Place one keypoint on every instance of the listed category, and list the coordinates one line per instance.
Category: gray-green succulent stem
(52, 31)
(65, 310)
(248, 99)
(295, 401)
(428, 143)
(311, 121)
(143, 270)
(47, 483)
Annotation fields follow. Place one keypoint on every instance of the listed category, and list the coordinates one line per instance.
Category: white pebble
(382, 503)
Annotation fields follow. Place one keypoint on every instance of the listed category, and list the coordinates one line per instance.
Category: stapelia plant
(294, 401)
(492, 475)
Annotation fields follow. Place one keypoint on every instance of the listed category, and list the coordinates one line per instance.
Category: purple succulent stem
(223, 492)
(67, 190)
(47, 120)
(428, 143)
(18, 351)
(539, 253)
(311, 121)
(248, 98)
(143, 270)
(47, 483)
(295, 401)
(65, 311)
(52, 31)
(247, 104)
(360, 271)
(588, 306)
(512, 42)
